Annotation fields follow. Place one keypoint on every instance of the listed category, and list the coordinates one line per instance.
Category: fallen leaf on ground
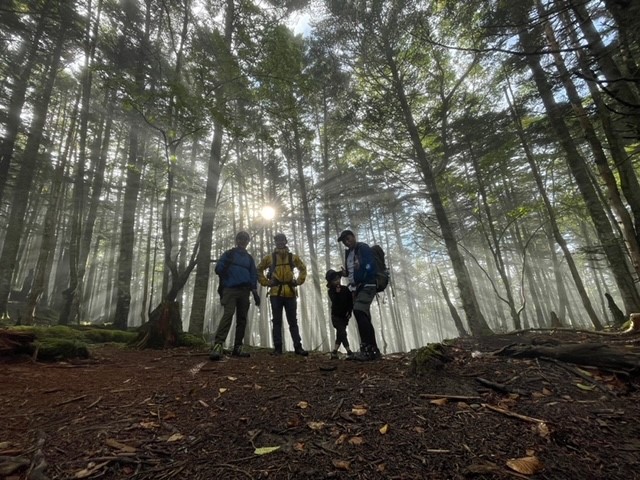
(525, 465)
(222, 390)
(303, 404)
(359, 411)
(439, 401)
(149, 425)
(384, 429)
(341, 439)
(341, 464)
(232, 379)
(265, 450)
(582, 386)
(316, 425)
(356, 440)
(90, 470)
(299, 446)
(113, 443)
(543, 429)
(175, 437)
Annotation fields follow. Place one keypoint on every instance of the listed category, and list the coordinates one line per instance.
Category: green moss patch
(429, 359)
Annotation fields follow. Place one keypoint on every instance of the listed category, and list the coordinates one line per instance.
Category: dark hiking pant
(234, 300)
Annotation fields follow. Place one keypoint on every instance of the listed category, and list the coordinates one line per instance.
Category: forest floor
(127, 413)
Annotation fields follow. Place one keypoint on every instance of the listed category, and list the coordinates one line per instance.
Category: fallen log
(598, 355)
(12, 342)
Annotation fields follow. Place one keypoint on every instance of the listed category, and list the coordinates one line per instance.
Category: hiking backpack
(382, 275)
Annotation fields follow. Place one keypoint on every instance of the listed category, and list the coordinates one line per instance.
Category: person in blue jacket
(360, 268)
(239, 278)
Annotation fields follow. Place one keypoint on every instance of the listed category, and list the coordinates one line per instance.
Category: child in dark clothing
(341, 307)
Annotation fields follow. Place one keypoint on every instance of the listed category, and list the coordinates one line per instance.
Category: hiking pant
(290, 305)
(234, 300)
(362, 311)
(340, 323)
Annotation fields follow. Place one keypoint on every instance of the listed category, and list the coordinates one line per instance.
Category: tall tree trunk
(29, 52)
(28, 167)
(578, 167)
(542, 190)
(613, 194)
(475, 319)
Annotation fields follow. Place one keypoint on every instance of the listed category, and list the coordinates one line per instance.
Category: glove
(256, 298)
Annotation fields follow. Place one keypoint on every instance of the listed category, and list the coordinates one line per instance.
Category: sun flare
(268, 212)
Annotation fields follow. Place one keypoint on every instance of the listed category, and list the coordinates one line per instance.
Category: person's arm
(262, 266)
(253, 278)
(221, 263)
(302, 270)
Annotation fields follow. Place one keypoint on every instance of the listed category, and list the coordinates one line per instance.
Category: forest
(490, 147)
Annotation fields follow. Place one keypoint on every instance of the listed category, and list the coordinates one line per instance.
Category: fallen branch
(578, 373)
(500, 387)
(449, 397)
(509, 413)
(71, 400)
(598, 355)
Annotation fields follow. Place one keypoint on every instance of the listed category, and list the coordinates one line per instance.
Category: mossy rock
(192, 341)
(429, 359)
(60, 349)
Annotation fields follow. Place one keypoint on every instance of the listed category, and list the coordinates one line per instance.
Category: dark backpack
(382, 275)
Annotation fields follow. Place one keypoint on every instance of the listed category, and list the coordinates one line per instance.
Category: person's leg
(229, 304)
(290, 308)
(242, 310)
(276, 327)
(362, 312)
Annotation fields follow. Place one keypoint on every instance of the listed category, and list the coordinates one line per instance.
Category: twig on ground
(337, 409)
(71, 400)
(449, 397)
(513, 414)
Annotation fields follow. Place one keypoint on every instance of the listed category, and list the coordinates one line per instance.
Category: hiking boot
(350, 355)
(365, 354)
(375, 353)
(277, 351)
(334, 355)
(301, 351)
(216, 352)
(237, 352)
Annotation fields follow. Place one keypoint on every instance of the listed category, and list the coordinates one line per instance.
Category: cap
(344, 235)
(243, 236)
(279, 236)
(331, 274)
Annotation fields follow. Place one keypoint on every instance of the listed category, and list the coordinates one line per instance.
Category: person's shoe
(237, 352)
(277, 351)
(375, 353)
(350, 355)
(365, 354)
(216, 352)
(301, 351)
(334, 355)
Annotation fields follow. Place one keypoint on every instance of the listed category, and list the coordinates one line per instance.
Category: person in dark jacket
(360, 268)
(239, 277)
(341, 307)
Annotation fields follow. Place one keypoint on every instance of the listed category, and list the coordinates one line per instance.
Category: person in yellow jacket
(278, 272)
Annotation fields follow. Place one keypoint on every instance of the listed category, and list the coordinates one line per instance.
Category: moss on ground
(429, 358)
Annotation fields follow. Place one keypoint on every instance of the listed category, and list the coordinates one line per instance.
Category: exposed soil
(174, 414)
